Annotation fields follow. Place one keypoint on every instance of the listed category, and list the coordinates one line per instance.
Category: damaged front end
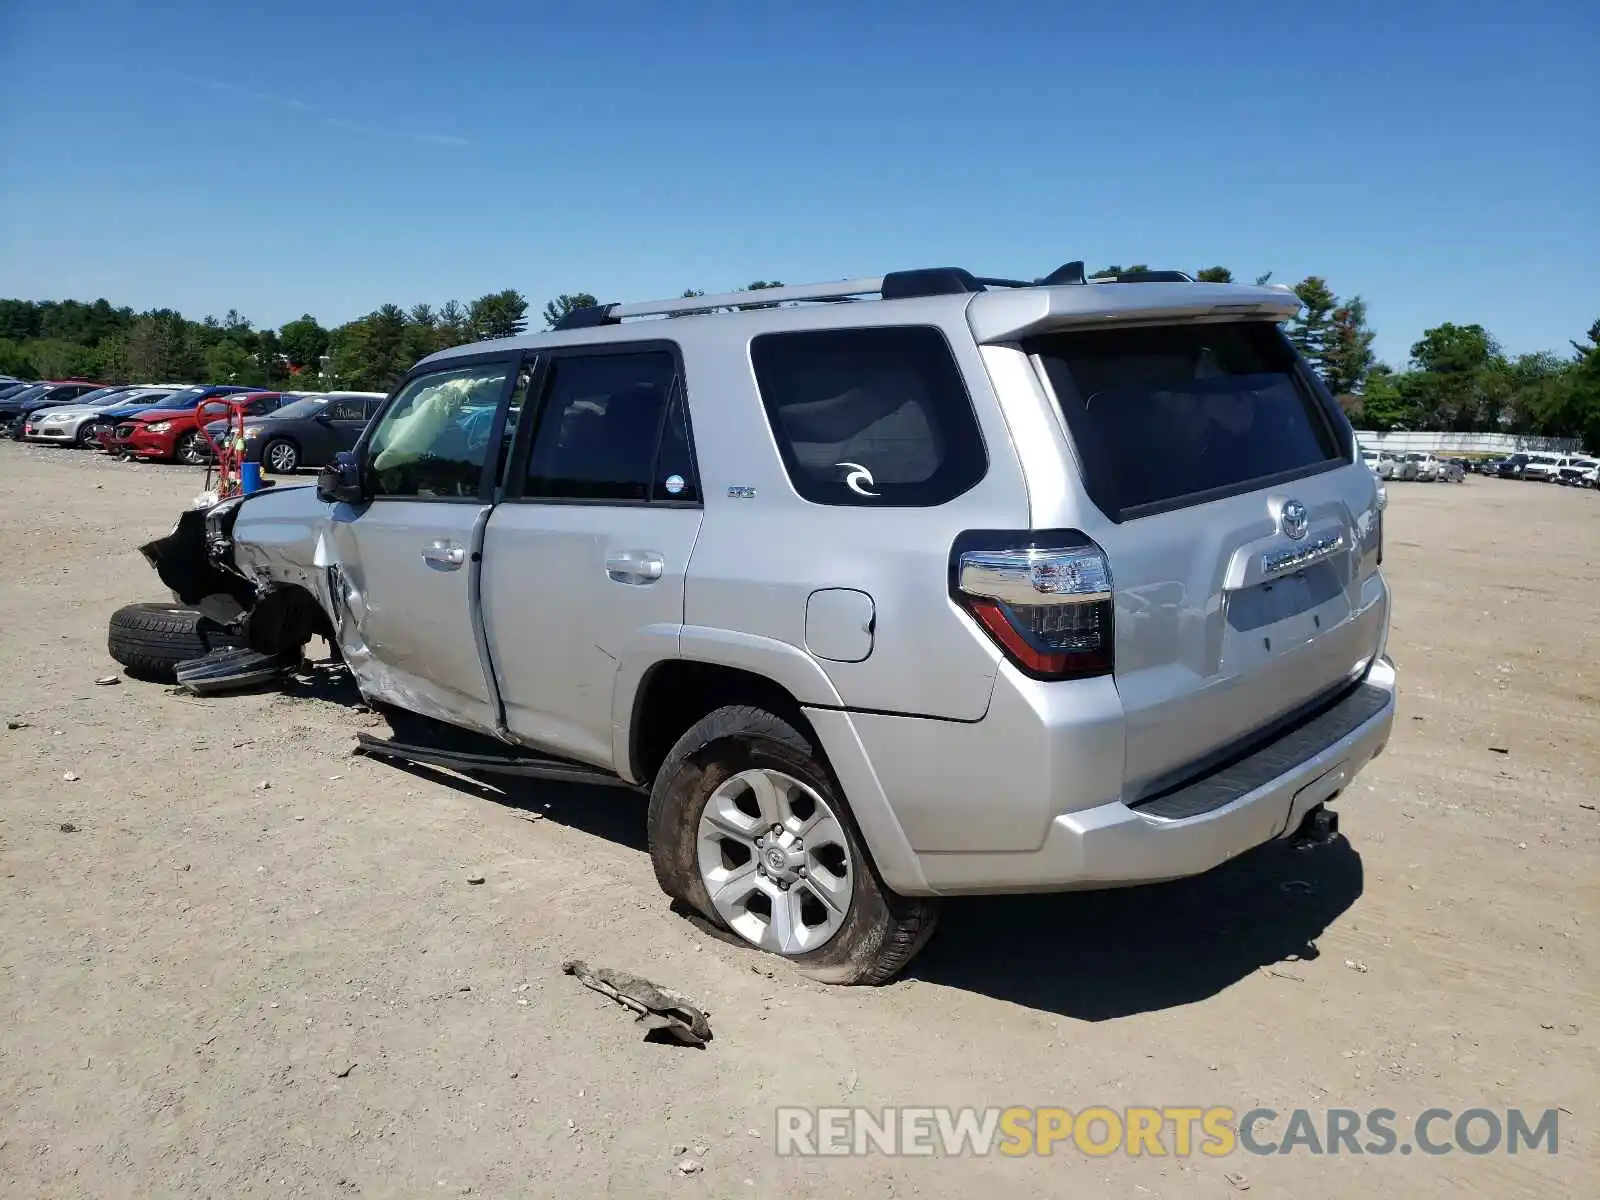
(274, 619)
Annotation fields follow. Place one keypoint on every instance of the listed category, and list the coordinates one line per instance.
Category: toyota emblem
(1293, 520)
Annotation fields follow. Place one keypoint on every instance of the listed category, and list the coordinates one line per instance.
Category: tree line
(1457, 377)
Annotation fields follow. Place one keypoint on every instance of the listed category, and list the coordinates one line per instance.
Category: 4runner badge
(1294, 520)
(859, 479)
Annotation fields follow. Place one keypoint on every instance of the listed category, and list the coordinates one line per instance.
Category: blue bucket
(250, 477)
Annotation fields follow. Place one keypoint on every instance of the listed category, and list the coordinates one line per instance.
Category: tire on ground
(150, 640)
(882, 932)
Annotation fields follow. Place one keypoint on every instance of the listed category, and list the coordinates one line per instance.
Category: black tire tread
(150, 640)
(911, 920)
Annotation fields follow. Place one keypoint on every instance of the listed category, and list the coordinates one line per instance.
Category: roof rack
(896, 285)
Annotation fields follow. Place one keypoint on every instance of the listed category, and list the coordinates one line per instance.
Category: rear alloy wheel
(788, 887)
(280, 457)
(749, 828)
(188, 451)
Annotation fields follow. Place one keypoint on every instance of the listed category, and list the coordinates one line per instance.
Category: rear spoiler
(1010, 316)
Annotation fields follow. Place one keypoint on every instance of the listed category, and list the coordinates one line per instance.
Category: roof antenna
(1071, 272)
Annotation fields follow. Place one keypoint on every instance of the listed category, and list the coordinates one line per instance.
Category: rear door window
(1169, 416)
(873, 417)
(600, 426)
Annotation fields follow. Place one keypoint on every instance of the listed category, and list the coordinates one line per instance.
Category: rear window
(872, 417)
(1175, 415)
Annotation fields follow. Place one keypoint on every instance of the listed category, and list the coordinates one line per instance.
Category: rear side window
(873, 417)
(599, 427)
(1176, 415)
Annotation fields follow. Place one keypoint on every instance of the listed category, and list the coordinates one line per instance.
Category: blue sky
(1437, 158)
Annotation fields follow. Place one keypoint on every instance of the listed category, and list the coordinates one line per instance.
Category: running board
(532, 766)
(232, 670)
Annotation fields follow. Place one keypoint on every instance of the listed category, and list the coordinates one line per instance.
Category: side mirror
(340, 481)
(322, 418)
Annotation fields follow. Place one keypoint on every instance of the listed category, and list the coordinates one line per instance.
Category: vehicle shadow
(1095, 956)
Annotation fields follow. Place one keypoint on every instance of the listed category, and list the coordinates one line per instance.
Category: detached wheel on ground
(280, 456)
(750, 830)
(152, 639)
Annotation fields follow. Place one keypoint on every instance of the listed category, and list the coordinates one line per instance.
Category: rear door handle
(444, 556)
(635, 566)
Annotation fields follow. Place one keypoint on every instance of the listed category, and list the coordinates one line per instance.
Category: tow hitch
(1320, 826)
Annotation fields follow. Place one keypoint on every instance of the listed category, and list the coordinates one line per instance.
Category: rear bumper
(1113, 845)
(1257, 799)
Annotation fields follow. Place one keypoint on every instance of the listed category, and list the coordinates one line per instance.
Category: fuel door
(839, 624)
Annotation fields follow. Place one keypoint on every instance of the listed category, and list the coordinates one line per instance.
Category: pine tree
(1349, 356)
(1311, 329)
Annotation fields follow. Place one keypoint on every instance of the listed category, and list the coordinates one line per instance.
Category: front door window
(433, 441)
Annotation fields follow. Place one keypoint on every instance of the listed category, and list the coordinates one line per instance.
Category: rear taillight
(1044, 598)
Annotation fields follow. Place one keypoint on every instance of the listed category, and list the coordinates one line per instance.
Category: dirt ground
(213, 987)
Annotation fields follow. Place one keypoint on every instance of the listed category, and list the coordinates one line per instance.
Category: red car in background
(173, 435)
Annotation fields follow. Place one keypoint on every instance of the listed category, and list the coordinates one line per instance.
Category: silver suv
(883, 590)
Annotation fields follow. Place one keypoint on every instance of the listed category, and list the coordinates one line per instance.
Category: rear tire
(879, 932)
(280, 456)
(150, 640)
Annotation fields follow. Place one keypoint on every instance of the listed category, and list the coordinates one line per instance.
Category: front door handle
(444, 556)
(635, 566)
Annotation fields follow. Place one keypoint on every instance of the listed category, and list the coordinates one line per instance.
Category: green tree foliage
(373, 353)
(229, 362)
(15, 359)
(304, 342)
(498, 315)
(1311, 329)
(163, 347)
(57, 358)
(1214, 275)
(452, 324)
(564, 304)
(268, 364)
(1113, 272)
(1459, 377)
(1348, 356)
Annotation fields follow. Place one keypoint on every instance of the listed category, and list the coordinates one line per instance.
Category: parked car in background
(1382, 464)
(113, 421)
(1512, 466)
(7, 390)
(97, 397)
(1425, 468)
(308, 432)
(1452, 470)
(162, 435)
(1576, 471)
(1541, 468)
(72, 424)
(54, 391)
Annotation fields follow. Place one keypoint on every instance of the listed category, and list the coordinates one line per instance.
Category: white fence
(1463, 443)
